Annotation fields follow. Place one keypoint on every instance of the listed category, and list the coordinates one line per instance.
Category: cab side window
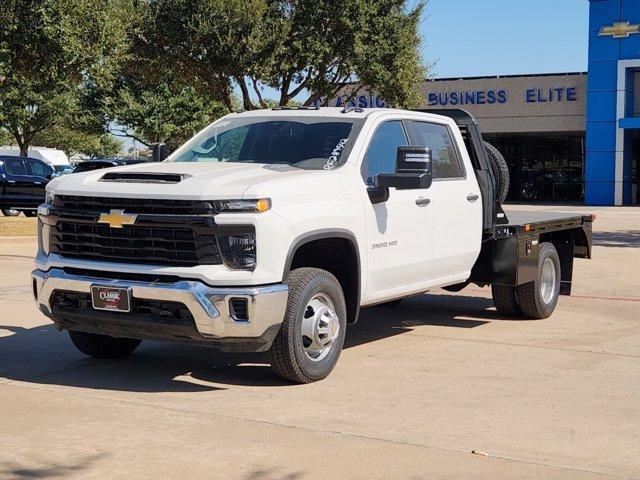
(14, 166)
(38, 169)
(446, 163)
(383, 149)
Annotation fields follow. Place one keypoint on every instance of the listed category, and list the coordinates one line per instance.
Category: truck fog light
(238, 251)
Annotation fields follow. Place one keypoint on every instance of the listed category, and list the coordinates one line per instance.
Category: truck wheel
(103, 346)
(538, 299)
(504, 299)
(30, 213)
(500, 171)
(10, 212)
(312, 334)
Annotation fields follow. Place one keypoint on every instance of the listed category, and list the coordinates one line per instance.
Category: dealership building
(568, 137)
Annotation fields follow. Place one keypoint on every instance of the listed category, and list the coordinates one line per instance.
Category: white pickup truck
(269, 230)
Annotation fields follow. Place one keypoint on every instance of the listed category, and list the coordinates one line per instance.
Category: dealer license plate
(110, 298)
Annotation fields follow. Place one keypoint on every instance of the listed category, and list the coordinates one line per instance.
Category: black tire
(9, 212)
(288, 355)
(505, 301)
(30, 213)
(500, 171)
(103, 346)
(530, 297)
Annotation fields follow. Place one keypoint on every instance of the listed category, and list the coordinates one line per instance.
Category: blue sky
(505, 37)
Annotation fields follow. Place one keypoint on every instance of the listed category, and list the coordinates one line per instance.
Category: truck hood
(201, 181)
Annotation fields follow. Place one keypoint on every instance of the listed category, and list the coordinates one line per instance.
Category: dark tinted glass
(38, 169)
(383, 150)
(314, 145)
(445, 159)
(15, 166)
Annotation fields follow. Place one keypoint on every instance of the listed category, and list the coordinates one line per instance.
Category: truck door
(18, 184)
(40, 174)
(456, 205)
(399, 231)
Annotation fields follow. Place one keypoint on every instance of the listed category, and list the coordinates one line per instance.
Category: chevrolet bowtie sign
(117, 218)
(619, 30)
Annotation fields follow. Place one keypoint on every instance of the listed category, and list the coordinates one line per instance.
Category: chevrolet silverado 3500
(269, 230)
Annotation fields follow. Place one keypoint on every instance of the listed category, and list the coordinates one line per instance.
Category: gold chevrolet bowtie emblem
(117, 218)
(620, 29)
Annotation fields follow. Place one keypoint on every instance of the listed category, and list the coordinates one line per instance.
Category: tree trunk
(23, 143)
(246, 99)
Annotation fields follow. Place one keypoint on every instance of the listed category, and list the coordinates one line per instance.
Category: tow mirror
(414, 170)
(159, 151)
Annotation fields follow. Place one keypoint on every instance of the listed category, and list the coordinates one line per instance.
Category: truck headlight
(238, 251)
(49, 197)
(251, 206)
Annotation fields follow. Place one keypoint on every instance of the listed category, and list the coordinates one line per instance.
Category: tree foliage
(311, 47)
(53, 55)
(160, 111)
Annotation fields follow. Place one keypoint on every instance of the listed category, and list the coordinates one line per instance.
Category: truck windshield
(313, 143)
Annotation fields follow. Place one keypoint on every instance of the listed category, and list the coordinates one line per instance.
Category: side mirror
(159, 151)
(414, 170)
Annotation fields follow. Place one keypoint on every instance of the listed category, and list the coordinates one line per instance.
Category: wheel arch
(344, 245)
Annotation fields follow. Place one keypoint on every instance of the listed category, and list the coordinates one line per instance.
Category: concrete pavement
(418, 388)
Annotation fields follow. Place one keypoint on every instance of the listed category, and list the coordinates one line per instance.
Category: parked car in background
(22, 184)
(55, 158)
(89, 165)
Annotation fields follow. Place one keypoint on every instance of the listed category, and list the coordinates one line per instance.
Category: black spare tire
(500, 171)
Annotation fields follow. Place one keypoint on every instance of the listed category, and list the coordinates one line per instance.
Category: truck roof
(338, 112)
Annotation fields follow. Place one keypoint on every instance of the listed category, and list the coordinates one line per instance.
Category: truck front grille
(133, 205)
(146, 244)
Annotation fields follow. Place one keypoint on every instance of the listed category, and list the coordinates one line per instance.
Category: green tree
(76, 141)
(5, 137)
(310, 47)
(53, 54)
(165, 111)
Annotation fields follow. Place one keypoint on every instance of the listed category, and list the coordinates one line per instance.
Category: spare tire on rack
(500, 171)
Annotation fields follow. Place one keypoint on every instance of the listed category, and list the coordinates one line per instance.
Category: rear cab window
(447, 163)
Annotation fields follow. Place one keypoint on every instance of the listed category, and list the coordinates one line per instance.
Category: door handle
(472, 197)
(422, 202)
(37, 183)
(11, 181)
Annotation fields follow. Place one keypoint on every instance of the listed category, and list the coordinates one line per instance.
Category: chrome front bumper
(209, 306)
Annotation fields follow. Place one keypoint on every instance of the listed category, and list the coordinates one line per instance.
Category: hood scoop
(126, 177)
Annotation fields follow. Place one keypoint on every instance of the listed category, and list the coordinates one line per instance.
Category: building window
(543, 167)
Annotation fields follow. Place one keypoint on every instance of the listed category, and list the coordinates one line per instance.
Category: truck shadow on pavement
(624, 239)
(41, 355)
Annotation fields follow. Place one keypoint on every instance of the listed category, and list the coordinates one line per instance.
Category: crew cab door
(455, 204)
(18, 184)
(399, 230)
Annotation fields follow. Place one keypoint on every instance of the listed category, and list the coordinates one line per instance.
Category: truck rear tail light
(239, 309)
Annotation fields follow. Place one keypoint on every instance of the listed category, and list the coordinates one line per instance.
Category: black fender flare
(320, 234)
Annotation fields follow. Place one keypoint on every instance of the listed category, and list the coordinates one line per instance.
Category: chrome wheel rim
(320, 327)
(548, 280)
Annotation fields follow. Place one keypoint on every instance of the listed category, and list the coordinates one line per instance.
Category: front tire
(538, 299)
(103, 346)
(10, 212)
(310, 340)
(30, 213)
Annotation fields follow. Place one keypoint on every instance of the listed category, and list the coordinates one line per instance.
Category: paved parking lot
(418, 388)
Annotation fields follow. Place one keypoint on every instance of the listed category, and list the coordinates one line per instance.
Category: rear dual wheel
(537, 299)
